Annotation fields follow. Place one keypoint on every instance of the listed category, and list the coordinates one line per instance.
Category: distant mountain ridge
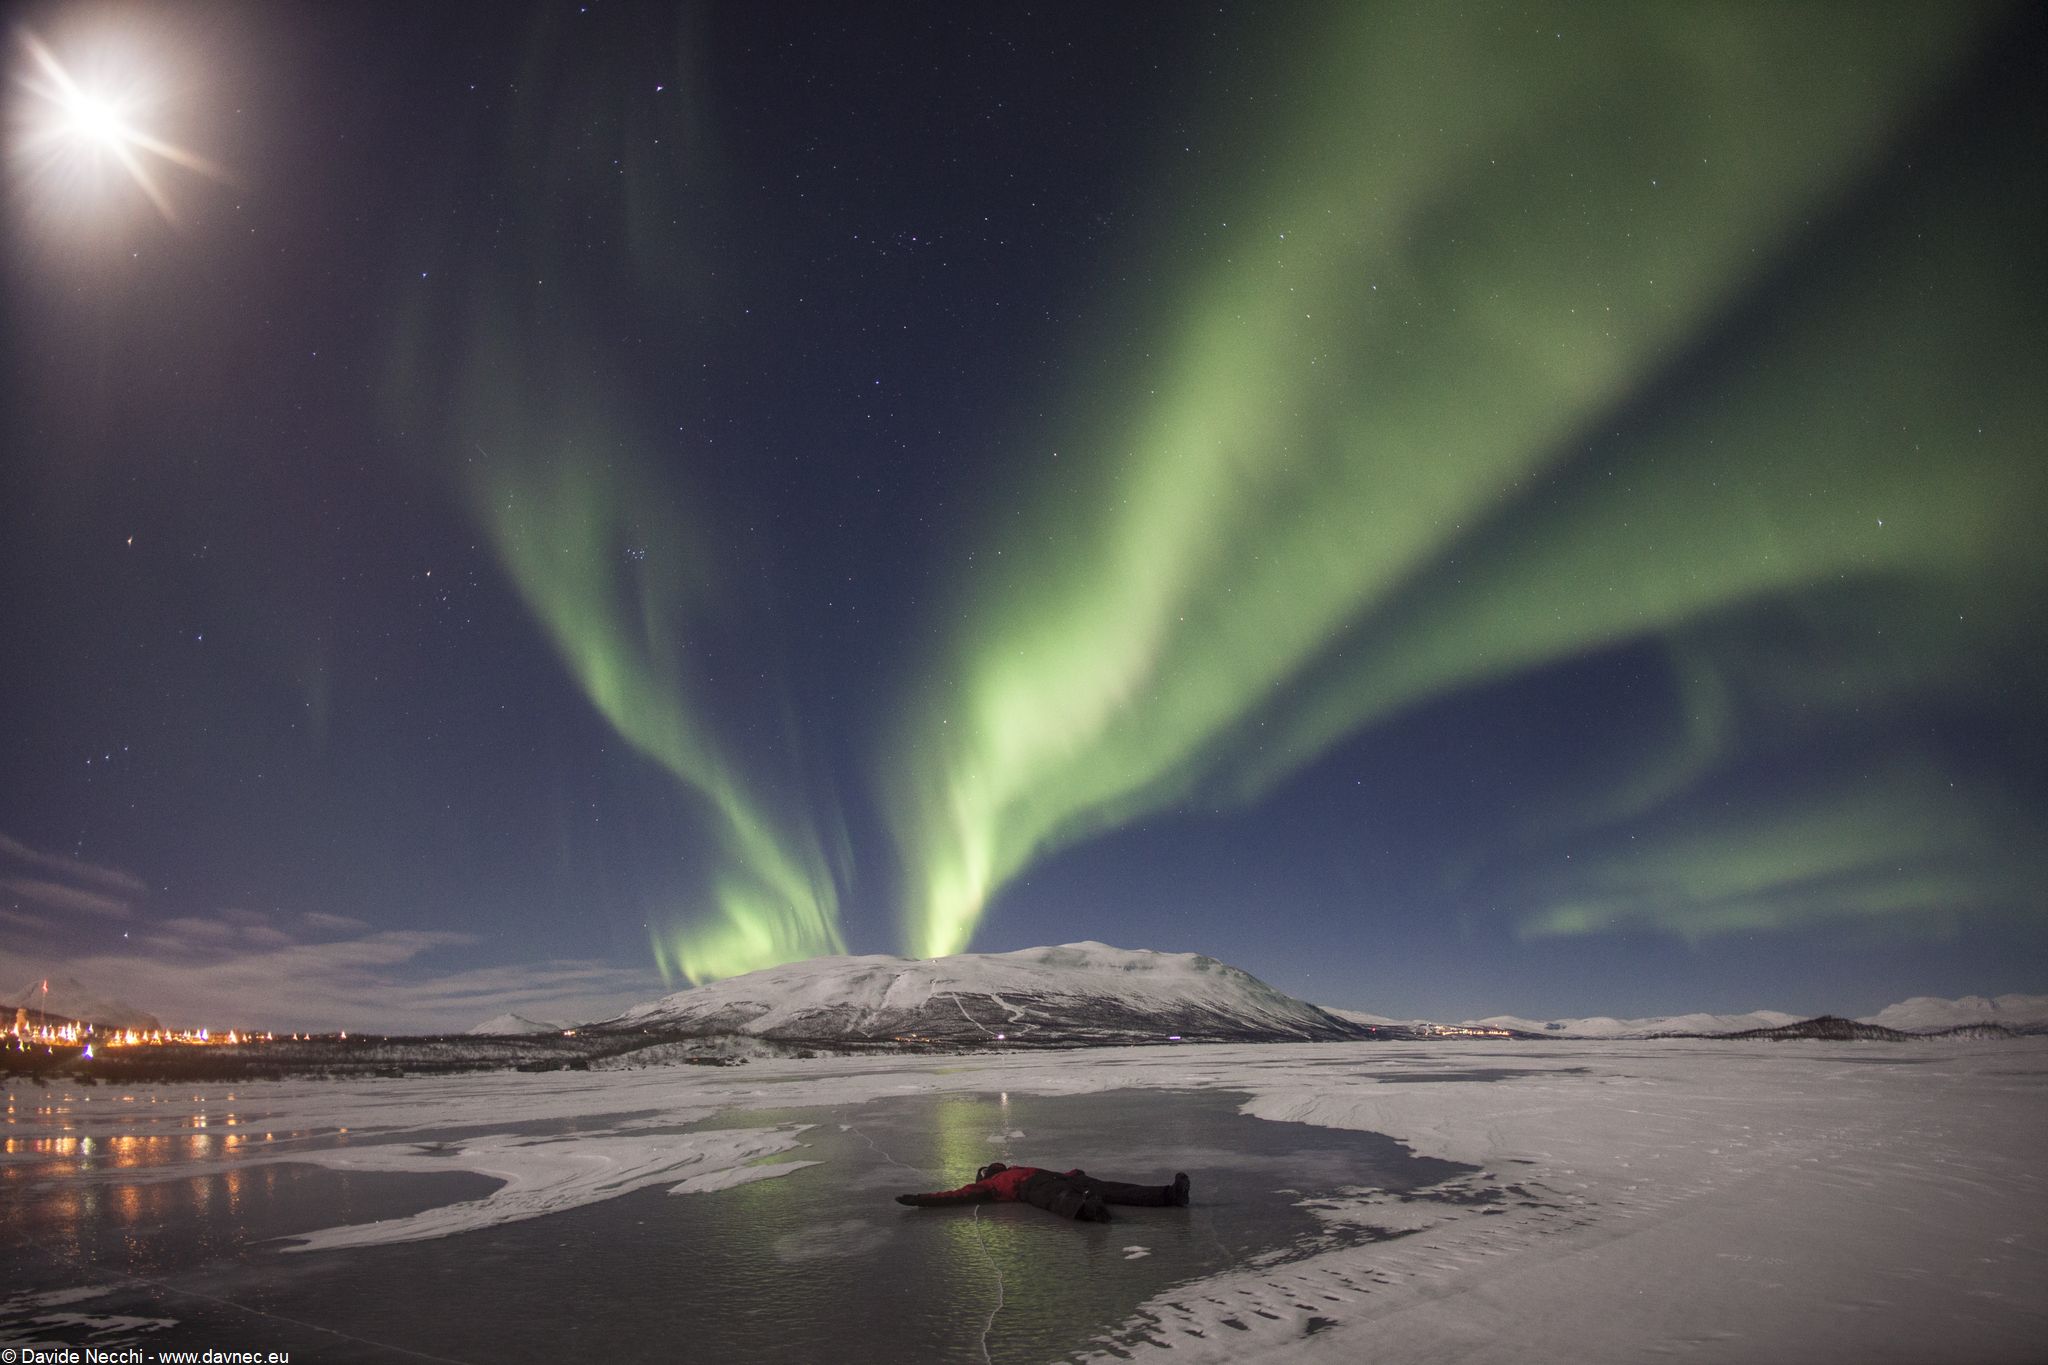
(506, 1025)
(1830, 1028)
(1921, 1015)
(67, 998)
(1074, 993)
(1927, 1014)
(1092, 993)
(1601, 1026)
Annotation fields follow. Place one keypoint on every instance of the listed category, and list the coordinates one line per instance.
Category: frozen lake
(1520, 1202)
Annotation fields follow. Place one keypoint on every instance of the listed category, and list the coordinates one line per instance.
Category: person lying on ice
(1070, 1194)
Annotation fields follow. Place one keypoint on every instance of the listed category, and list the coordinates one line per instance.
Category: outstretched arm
(975, 1193)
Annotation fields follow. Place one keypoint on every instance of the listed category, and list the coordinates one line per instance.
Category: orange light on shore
(74, 1033)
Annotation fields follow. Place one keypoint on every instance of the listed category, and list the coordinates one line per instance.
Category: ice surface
(1723, 1201)
(1849, 1202)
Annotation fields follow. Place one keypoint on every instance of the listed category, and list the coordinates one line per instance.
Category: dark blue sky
(1529, 510)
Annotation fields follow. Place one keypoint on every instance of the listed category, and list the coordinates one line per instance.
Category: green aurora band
(612, 556)
(1380, 446)
(562, 515)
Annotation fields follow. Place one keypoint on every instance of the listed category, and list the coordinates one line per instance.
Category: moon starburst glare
(69, 131)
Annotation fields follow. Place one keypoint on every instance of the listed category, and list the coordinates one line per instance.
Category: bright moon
(95, 120)
(68, 131)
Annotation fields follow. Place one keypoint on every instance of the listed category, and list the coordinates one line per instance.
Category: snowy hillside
(1378, 1021)
(506, 1024)
(1926, 1014)
(1601, 1026)
(1078, 992)
(68, 999)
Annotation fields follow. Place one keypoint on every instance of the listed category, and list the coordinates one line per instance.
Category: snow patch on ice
(548, 1175)
(102, 1324)
(733, 1177)
(55, 1298)
(1812, 1204)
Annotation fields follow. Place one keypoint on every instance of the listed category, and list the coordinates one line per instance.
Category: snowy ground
(1796, 1202)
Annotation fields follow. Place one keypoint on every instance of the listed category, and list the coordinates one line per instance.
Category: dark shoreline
(357, 1057)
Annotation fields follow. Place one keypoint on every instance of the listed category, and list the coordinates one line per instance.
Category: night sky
(1451, 509)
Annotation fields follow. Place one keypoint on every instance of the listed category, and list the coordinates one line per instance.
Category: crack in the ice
(979, 1239)
(990, 1325)
(1209, 1222)
(855, 1130)
(1003, 1140)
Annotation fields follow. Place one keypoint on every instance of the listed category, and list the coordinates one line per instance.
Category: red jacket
(998, 1188)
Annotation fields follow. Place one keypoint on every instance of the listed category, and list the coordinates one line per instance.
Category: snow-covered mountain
(512, 1024)
(1378, 1021)
(1922, 1014)
(1601, 1026)
(1926, 1014)
(67, 998)
(1074, 993)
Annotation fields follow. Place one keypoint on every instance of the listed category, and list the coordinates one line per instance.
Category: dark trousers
(1065, 1194)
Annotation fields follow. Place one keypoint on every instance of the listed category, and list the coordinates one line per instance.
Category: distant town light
(52, 1033)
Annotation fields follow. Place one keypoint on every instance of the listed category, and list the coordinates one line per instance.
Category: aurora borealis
(1302, 465)
(1447, 510)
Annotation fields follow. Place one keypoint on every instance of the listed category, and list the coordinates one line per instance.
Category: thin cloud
(111, 879)
(376, 982)
(334, 924)
(242, 968)
(199, 930)
(71, 899)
